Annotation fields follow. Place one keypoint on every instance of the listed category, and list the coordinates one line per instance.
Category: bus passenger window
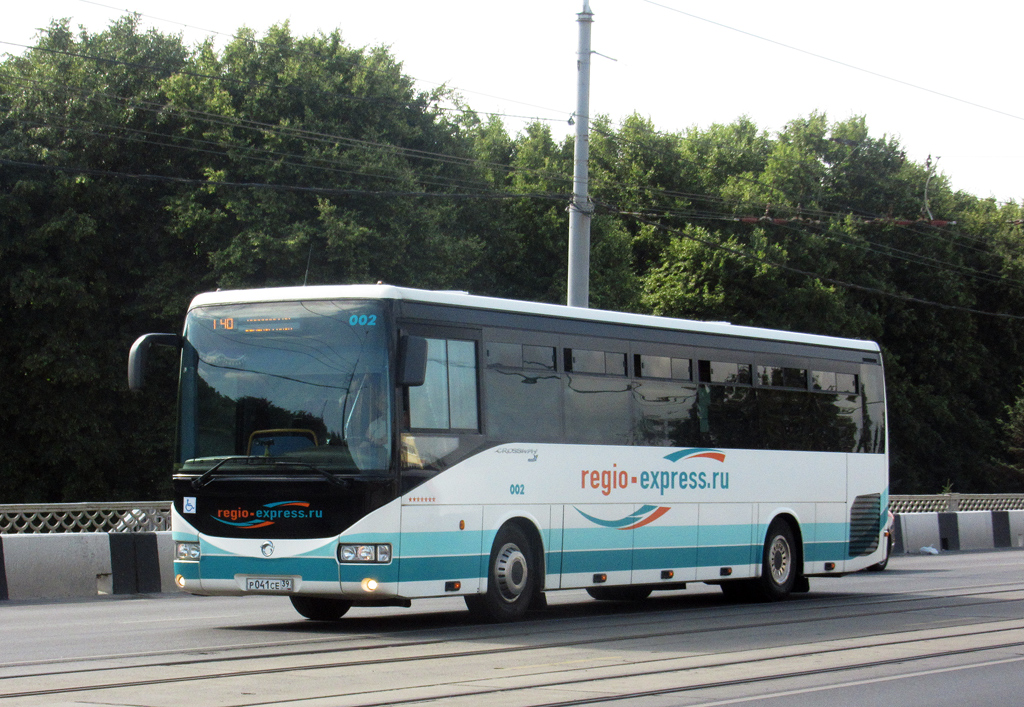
(726, 373)
(583, 361)
(679, 369)
(448, 397)
(504, 355)
(847, 383)
(523, 400)
(782, 377)
(539, 357)
(823, 380)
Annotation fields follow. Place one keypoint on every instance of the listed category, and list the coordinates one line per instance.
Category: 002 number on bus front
(362, 320)
(517, 489)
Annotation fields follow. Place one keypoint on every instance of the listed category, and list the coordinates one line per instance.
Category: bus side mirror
(140, 353)
(412, 360)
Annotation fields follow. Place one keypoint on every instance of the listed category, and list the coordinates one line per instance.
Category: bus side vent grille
(865, 515)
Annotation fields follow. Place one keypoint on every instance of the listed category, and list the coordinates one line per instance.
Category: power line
(274, 187)
(835, 61)
(807, 273)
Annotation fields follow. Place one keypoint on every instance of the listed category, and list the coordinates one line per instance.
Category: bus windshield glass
(302, 382)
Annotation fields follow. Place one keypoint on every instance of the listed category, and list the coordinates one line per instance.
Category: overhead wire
(272, 187)
(818, 276)
(835, 61)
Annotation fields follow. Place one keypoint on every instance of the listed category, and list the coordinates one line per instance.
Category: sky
(939, 77)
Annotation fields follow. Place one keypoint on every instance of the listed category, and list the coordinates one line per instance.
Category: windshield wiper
(205, 478)
(340, 483)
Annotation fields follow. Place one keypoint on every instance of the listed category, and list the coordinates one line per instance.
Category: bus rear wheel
(320, 608)
(511, 577)
(779, 570)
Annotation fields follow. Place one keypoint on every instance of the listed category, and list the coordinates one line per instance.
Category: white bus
(371, 445)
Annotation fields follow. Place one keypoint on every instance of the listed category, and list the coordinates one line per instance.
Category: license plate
(269, 584)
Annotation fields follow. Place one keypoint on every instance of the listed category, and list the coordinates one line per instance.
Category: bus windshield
(302, 382)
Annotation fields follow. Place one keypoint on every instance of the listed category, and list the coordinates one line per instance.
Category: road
(944, 630)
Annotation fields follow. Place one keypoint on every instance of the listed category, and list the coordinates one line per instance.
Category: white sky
(519, 58)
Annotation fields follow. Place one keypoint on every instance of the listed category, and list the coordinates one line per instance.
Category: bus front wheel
(320, 608)
(511, 577)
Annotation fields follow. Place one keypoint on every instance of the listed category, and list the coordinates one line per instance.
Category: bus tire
(511, 577)
(779, 563)
(320, 608)
(619, 593)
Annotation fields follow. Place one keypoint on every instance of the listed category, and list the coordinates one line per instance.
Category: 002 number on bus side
(517, 489)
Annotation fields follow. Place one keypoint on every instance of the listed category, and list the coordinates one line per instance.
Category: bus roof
(478, 302)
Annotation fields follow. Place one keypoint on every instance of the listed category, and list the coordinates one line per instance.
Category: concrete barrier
(967, 530)
(68, 565)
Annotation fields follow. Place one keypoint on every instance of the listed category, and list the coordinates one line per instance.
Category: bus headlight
(186, 552)
(380, 554)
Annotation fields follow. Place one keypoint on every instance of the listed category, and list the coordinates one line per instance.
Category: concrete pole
(580, 208)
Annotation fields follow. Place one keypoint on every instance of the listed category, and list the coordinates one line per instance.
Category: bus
(368, 445)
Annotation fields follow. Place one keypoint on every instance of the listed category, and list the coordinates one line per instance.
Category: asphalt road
(945, 630)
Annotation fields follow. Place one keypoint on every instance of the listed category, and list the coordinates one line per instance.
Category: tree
(82, 249)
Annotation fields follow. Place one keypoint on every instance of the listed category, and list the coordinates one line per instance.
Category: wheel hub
(779, 560)
(511, 572)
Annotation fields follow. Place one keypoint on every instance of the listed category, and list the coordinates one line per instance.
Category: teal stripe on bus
(826, 551)
(553, 563)
(226, 567)
(728, 555)
(463, 542)
(664, 558)
(426, 569)
(668, 536)
(597, 539)
(596, 561)
(358, 571)
(188, 570)
(729, 534)
(828, 532)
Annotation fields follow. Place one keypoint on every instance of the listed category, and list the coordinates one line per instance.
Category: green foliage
(136, 172)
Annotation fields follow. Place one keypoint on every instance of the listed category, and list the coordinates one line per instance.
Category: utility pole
(580, 208)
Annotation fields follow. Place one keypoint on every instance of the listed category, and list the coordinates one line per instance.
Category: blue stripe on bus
(820, 552)
(188, 570)
(596, 561)
(421, 569)
(427, 544)
(727, 534)
(313, 569)
(664, 558)
(669, 536)
(829, 532)
(358, 571)
(596, 539)
(728, 555)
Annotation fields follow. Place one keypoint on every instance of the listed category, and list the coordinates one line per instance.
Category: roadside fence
(128, 517)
